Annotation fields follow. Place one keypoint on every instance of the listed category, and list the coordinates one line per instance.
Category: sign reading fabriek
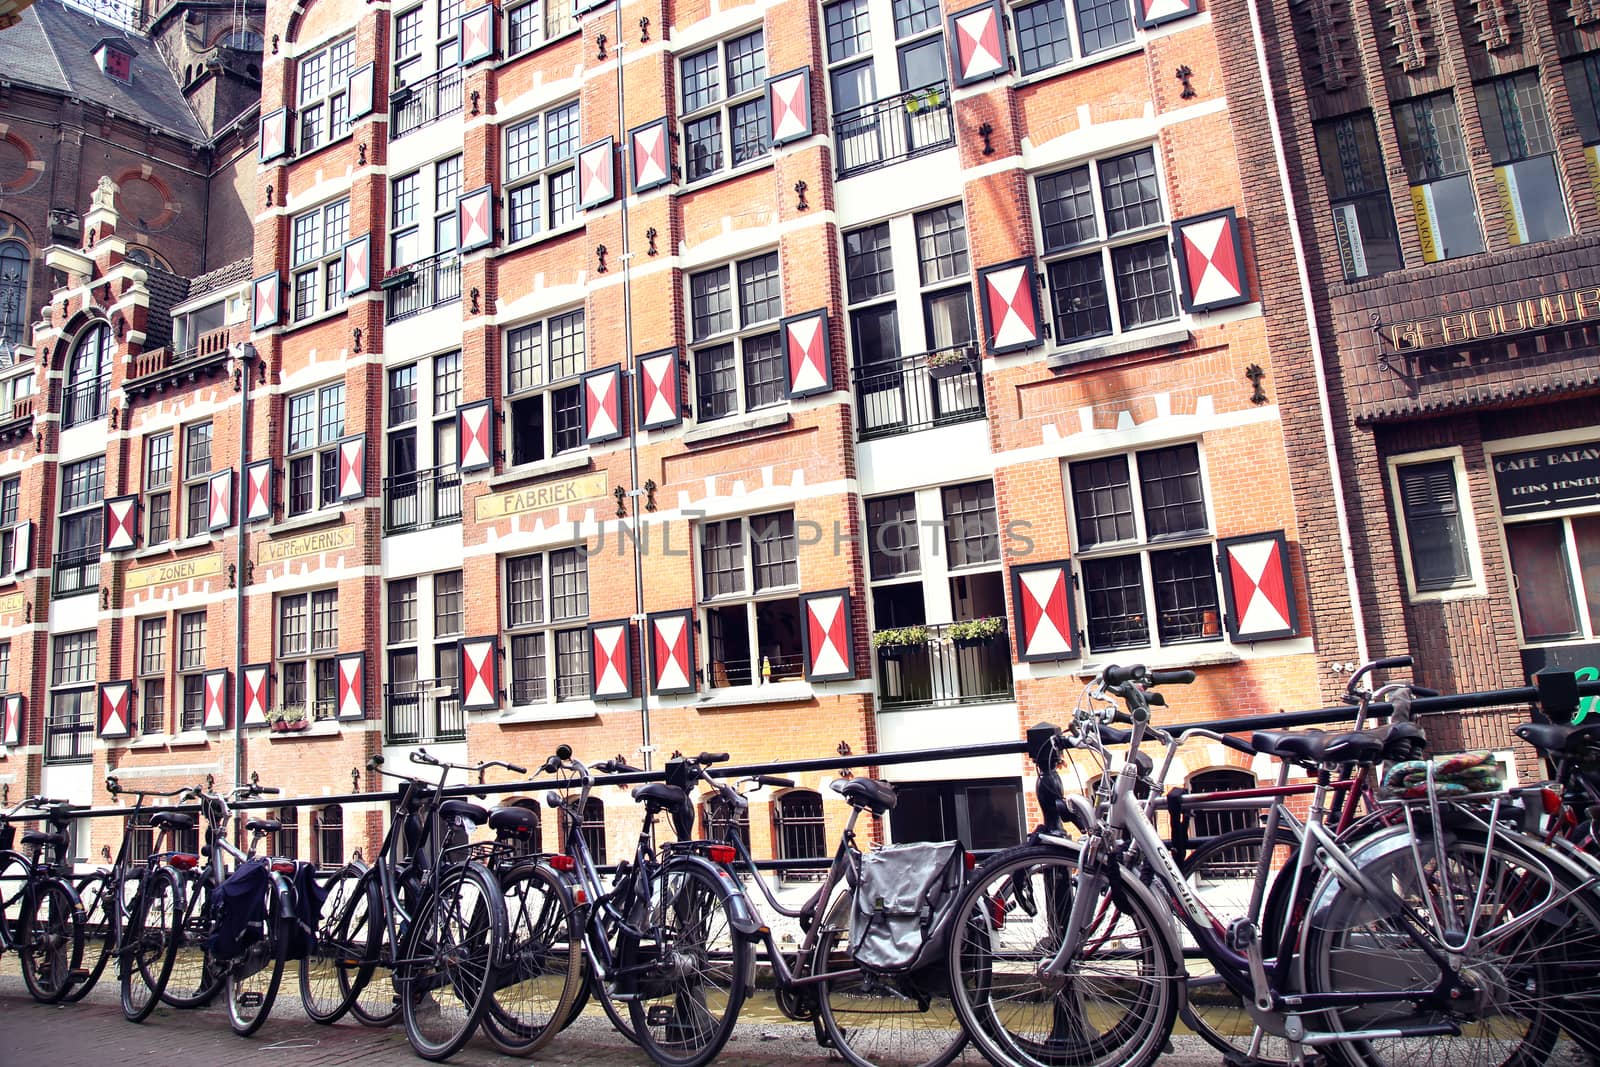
(540, 497)
(1544, 479)
(180, 571)
(306, 544)
(1571, 308)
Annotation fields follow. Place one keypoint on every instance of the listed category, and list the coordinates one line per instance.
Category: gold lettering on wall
(1497, 320)
(310, 544)
(168, 573)
(540, 497)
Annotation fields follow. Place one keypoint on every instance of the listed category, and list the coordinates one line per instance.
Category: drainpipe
(247, 360)
(1313, 334)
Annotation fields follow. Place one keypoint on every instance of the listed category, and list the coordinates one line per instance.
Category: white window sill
(1213, 654)
(536, 238)
(189, 739)
(1116, 345)
(166, 547)
(319, 728)
(322, 517)
(761, 420)
(544, 468)
(562, 712)
(743, 695)
(149, 741)
(711, 181)
(312, 320)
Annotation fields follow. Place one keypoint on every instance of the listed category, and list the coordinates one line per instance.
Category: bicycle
(48, 932)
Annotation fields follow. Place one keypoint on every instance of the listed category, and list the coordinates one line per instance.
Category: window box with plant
(897, 642)
(290, 719)
(975, 632)
(950, 363)
(398, 278)
(919, 100)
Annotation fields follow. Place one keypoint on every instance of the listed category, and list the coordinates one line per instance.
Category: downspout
(247, 359)
(1313, 335)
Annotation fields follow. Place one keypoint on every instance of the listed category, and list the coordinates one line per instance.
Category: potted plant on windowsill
(275, 722)
(975, 632)
(398, 278)
(949, 362)
(898, 641)
(294, 719)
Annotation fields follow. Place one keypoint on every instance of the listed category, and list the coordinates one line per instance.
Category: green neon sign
(1588, 705)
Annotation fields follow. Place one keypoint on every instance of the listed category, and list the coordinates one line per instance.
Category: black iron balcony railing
(77, 571)
(918, 392)
(414, 106)
(421, 500)
(69, 738)
(84, 401)
(422, 286)
(942, 669)
(426, 709)
(897, 127)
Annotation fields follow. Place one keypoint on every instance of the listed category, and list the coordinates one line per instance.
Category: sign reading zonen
(540, 497)
(180, 571)
(306, 545)
(1551, 312)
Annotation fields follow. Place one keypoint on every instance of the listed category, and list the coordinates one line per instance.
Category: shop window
(1555, 571)
(1523, 149)
(1435, 157)
(1358, 191)
(982, 815)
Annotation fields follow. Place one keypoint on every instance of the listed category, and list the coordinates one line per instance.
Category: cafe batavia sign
(1571, 308)
(1548, 479)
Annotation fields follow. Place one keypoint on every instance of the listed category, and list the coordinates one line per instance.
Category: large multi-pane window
(1583, 89)
(152, 655)
(72, 679)
(422, 485)
(1144, 548)
(88, 376)
(1048, 30)
(531, 24)
(1523, 149)
(870, 125)
(1352, 164)
(323, 96)
(317, 246)
(749, 604)
(1436, 530)
(932, 548)
(733, 319)
(158, 488)
(547, 601)
(316, 422)
(1106, 249)
(197, 478)
(724, 105)
(192, 668)
(541, 171)
(1435, 156)
(544, 361)
(308, 642)
(10, 503)
(83, 490)
(422, 211)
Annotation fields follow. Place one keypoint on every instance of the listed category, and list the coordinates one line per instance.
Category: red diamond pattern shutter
(827, 636)
(1042, 598)
(1010, 312)
(602, 404)
(671, 652)
(475, 434)
(611, 660)
(221, 510)
(808, 356)
(13, 720)
(358, 265)
(359, 92)
(353, 467)
(274, 135)
(1210, 261)
(1258, 589)
(650, 155)
(121, 523)
(480, 673)
(597, 173)
(216, 694)
(258, 491)
(352, 685)
(978, 43)
(475, 218)
(257, 681)
(265, 294)
(659, 390)
(1154, 12)
(22, 548)
(789, 106)
(477, 35)
(116, 704)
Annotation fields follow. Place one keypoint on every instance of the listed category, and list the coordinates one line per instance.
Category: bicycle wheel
(1527, 945)
(538, 978)
(149, 941)
(444, 966)
(883, 1020)
(99, 932)
(339, 959)
(693, 968)
(195, 979)
(14, 870)
(252, 978)
(1118, 1001)
(49, 939)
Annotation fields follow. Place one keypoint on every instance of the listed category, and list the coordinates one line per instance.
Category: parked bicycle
(43, 914)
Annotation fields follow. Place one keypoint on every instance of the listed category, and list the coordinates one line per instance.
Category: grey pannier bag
(903, 905)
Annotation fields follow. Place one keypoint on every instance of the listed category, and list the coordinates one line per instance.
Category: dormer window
(115, 60)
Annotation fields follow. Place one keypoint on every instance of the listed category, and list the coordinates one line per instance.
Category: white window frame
(1469, 526)
(748, 598)
(323, 261)
(326, 96)
(555, 20)
(324, 444)
(196, 483)
(740, 335)
(308, 658)
(723, 106)
(542, 172)
(542, 387)
(8, 530)
(190, 671)
(1078, 57)
(150, 673)
(548, 627)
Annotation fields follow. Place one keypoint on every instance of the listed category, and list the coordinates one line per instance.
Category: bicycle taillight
(562, 862)
(185, 861)
(997, 912)
(721, 853)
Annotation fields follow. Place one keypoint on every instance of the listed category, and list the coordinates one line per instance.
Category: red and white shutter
(258, 491)
(352, 685)
(610, 659)
(121, 523)
(827, 636)
(660, 393)
(1257, 587)
(21, 548)
(475, 218)
(978, 44)
(358, 265)
(220, 513)
(353, 467)
(807, 355)
(789, 105)
(480, 673)
(1210, 260)
(597, 173)
(602, 404)
(1041, 595)
(359, 92)
(257, 681)
(266, 294)
(1010, 313)
(477, 34)
(216, 705)
(671, 652)
(649, 149)
(116, 709)
(13, 720)
(475, 436)
(1155, 12)
(274, 135)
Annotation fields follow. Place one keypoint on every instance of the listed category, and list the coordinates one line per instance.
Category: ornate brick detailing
(1584, 12)
(1494, 18)
(1412, 23)
(1323, 27)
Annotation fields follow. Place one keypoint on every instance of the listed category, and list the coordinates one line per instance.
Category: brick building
(765, 377)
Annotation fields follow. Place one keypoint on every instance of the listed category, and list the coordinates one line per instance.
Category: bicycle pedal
(79, 975)
(660, 1014)
(250, 999)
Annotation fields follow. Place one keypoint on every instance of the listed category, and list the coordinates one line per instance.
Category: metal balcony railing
(84, 401)
(944, 671)
(423, 285)
(69, 738)
(426, 709)
(211, 345)
(918, 392)
(77, 571)
(421, 500)
(897, 127)
(414, 106)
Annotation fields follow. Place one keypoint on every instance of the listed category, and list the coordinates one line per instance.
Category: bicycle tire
(252, 979)
(50, 939)
(542, 950)
(149, 942)
(1032, 1024)
(15, 870)
(325, 992)
(444, 966)
(99, 932)
(685, 1008)
(195, 980)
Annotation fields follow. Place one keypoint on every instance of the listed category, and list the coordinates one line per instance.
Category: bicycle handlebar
(1387, 664)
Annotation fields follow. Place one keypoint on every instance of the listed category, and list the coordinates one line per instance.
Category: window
(1106, 272)
(1045, 30)
(1436, 163)
(1555, 567)
(927, 549)
(546, 594)
(88, 377)
(318, 246)
(971, 529)
(541, 171)
(530, 24)
(724, 105)
(738, 356)
(1435, 533)
(981, 814)
(1352, 163)
(1583, 88)
(1523, 149)
(192, 667)
(543, 362)
(189, 326)
(1215, 822)
(5, 666)
(285, 844)
(749, 577)
(324, 94)
(716, 818)
(70, 729)
(407, 40)
(78, 551)
(892, 531)
(422, 488)
(421, 702)
(446, 191)
(197, 478)
(308, 642)
(158, 488)
(404, 240)
(593, 829)
(798, 829)
(327, 836)
(1152, 502)
(153, 675)
(10, 501)
(872, 127)
(316, 422)
(15, 270)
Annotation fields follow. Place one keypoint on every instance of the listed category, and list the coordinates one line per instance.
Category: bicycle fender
(1162, 911)
(740, 916)
(284, 895)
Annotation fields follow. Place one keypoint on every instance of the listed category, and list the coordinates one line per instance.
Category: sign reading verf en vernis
(1544, 479)
(540, 497)
(177, 571)
(310, 544)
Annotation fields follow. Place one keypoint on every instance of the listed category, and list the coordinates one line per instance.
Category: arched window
(286, 844)
(594, 829)
(797, 827)
(88, 376)
(714, 829)
(327, 838)
(1211, 823)
(244, 40)
(13, 291)
(536, 844)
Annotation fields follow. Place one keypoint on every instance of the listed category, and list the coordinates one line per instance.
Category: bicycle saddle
(172, 820)
(519, 822)
(464, 809)
(1560, 737)
(263, 826)
(1305, 745)
(39, 837)
(1355, 746)
(867, 793)
(659, 793)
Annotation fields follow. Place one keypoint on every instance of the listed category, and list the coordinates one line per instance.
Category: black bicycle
(44, 917)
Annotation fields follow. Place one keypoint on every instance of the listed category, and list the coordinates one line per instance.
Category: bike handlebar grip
(563, 752)
(374, 763)
(712, 757)
(1183, 677)
(775, 782)
(624, 767)
(1115, 675)
(1122, 716)
(1392, 662)
(112, 785)
(268, 790)
(514, 769)
(551, 766)
(1423, 691)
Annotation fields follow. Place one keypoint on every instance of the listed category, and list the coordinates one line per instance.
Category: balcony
(421, 286)
(412, 107)
(76, 572)
(160, 367)
(911, 393)
(936, 669)
(69, 738)
(895, 128)
(422, 500)
(85, 401)
(423, 710)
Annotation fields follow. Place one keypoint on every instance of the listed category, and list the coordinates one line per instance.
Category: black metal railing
(918, 392)
(426, 709)
(412, 107)
(69, 738)
(422, 286)
(897, 127)
(84, 401)
(944, 670)
(76, 571)
(421, 500)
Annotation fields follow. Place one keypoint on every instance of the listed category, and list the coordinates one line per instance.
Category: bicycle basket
(1460, 774)
(903, 905)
